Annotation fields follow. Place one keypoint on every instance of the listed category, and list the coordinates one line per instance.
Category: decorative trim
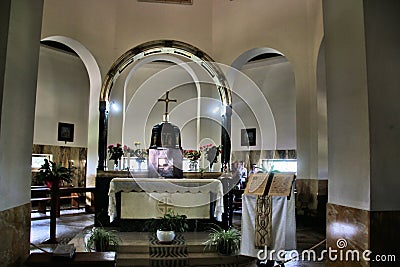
(263, 224)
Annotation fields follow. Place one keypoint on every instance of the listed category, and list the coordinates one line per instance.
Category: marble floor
(72, 224)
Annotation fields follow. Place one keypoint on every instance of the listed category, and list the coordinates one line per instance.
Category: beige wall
(62, 96)
(291, 27)
(110, 28)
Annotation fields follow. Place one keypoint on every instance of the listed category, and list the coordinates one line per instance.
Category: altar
(146, 198)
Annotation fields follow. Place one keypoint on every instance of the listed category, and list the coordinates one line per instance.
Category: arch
(163, 47)
(239, 62)
(178, 62)
(94, 91)
(234, 80)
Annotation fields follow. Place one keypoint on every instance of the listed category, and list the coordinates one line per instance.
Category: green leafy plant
(52, 174)
(170, 222)
(102, 240)
(226, 242)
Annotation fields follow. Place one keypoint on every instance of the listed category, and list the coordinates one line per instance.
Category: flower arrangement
(127, 149)
(115, 152)
(212, 152)
(192, 155)
(140, 153)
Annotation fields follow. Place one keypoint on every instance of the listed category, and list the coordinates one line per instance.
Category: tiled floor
(309, 232)
(69, 224)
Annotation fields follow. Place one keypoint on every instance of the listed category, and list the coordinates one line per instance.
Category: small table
(95, 259)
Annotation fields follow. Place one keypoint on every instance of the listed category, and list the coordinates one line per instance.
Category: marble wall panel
(68, 156)
(15, 226)
(253, 156)
(376, 231)
(347, 229)
(385, 236)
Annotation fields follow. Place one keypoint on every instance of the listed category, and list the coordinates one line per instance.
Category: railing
(42, 195)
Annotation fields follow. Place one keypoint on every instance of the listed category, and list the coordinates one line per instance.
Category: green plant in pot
(226, 242)
(53, 174)
(102, 240)
(167, 226)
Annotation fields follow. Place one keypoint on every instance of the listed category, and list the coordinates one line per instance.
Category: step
(135, 250)
(193, 259)
(139, 249)
(213, 259)
(130, 259)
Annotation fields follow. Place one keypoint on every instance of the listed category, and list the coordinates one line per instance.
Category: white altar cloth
(283, 225)
(159, 185)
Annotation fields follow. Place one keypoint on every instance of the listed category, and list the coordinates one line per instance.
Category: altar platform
(139, 249)
(310, 231)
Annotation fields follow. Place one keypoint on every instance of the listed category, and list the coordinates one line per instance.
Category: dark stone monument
(165, 151)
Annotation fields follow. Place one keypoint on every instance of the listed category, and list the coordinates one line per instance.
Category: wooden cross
(166, 100)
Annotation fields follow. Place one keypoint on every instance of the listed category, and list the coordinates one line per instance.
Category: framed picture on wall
(65, 132)
(248, 137)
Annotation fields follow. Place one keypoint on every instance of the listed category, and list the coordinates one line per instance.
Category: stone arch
(162, 47)
(233, 76)
(93, 71)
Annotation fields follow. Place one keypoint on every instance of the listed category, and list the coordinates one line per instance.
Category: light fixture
(115, 106)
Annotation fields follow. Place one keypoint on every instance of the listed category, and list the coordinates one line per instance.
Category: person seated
(243, 174)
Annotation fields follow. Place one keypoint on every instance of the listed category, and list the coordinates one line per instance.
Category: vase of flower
(116, 153)
(193, 165)
(211, 169)
(212, 152)
(117, 165)
(140, 154)
(193, 156)
(139, 163)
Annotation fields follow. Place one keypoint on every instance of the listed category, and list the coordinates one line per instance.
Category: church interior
(275, 119)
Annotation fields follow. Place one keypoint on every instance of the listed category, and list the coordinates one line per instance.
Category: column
(362, 63)
(20, 27)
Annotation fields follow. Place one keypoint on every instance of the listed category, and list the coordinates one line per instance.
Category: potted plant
(53, 174)
(168, 225)
(102, 240)
(226, 242)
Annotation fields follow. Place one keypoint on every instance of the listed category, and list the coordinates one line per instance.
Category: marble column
(363, 211)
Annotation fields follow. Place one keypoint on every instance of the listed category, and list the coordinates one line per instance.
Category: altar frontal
(145, 198)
